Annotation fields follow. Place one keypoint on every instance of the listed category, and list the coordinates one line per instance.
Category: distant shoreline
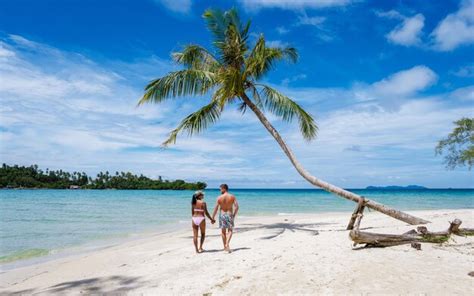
(19, 177)
(98, 189)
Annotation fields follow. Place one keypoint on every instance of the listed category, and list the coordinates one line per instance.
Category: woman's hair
(196, 195)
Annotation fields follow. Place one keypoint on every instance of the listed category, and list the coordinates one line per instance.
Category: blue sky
(383, 79)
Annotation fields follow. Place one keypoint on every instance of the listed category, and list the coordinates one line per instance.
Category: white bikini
(197, 220)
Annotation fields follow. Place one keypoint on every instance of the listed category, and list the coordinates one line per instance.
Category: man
(228, 208)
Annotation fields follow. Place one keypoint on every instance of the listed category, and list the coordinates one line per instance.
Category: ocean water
(36, 223)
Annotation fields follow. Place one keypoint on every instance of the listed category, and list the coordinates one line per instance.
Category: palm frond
(196, 122)
(222, 98)
(196, 57)
(242, 107)
(179, 83)
(233, 50)
(218, 23)
(262, 58)
(287, 109)
(231, 82)
(230, 36)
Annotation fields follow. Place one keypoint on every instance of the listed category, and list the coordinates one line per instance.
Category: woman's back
(198, 208)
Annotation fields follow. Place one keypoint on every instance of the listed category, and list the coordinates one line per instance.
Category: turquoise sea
(35, 223)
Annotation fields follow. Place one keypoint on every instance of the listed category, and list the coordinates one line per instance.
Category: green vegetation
(33, 177)
(429, 238)
(23, 254)
(458, 147)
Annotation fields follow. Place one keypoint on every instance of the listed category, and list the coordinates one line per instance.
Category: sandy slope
(296, 254)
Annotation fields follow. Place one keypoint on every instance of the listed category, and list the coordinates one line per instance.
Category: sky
(384, 81)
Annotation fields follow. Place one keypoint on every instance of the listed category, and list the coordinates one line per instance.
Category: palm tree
(230, 74)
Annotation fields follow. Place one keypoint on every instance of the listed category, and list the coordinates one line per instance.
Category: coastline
(116, 240)
(91, 246)
(287, 253)
(54, 222)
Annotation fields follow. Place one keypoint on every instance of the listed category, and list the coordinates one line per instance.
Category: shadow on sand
(105, 285)
(280, 228)
(222, 250)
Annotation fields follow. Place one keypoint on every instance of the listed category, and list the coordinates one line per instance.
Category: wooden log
(412, 220)
(357, 225)
(454, 226)
(379, 239)
(465, 231)
(357, 222)
(421, 229)
(420, 235)
(358, 210)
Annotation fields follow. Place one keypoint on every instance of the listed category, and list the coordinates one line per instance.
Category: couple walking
(227, 206)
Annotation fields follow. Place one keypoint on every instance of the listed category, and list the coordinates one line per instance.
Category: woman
(198, 209)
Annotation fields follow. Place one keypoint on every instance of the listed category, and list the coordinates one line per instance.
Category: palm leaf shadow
(281, 227)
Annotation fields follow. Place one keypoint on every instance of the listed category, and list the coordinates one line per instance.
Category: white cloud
(456, 29)
(388, 93)
(310, 21)
(293, 4)
(391, 14)
(5, 52)
(317, 22)
(406, 82)
(463, 94)
(282, 30)
(295, 78)
(276, 43)
(372, 129)
(465, 71)
(70, 79)
(180, 6)
(408, 32)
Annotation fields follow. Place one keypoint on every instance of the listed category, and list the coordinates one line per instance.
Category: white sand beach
(291, 254)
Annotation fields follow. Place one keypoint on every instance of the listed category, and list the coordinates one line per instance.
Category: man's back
(226, 202)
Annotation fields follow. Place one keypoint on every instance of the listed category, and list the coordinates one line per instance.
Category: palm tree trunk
(325, 185)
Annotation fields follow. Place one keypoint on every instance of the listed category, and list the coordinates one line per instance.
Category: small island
(16, 177)
(396, 187)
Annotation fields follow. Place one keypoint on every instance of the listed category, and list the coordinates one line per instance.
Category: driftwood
(454, 228)
(420, 235)
(464, 232)
(358, 210)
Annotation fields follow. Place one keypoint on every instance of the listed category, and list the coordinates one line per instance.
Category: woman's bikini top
(198, 210)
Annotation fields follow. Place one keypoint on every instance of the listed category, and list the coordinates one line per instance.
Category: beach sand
(286, 254)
